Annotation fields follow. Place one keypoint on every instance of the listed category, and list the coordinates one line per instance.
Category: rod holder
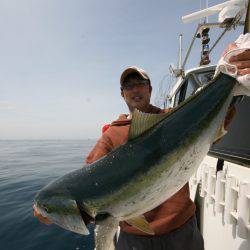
(230, 199)
(220, 191)
(244, 211)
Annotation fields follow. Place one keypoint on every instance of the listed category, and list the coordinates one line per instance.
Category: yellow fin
(141, 122)
(141, 223)
(220, 133)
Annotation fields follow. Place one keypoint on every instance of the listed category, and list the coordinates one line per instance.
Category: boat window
(191, 84)
(187, 89)
(205, 77)
(176, 99)
(191, 87)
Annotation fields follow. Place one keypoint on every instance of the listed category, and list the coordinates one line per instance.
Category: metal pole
(218, 39)
(190, 47)
(180, 52)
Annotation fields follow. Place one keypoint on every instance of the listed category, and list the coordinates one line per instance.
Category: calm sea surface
(25, 167)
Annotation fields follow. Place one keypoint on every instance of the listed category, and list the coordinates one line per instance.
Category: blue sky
(61, 61)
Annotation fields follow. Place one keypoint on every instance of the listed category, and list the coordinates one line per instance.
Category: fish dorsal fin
(141, 122)
(141, 223)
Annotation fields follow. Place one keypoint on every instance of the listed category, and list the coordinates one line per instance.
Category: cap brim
(131, 70)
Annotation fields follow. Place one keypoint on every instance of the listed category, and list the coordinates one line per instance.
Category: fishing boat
(221, 186)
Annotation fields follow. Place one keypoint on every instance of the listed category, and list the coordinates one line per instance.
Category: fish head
(61, 208)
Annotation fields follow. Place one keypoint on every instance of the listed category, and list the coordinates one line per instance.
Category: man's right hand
(38, 215)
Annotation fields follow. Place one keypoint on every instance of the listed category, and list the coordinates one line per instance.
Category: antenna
(177, 71)
(180, 52)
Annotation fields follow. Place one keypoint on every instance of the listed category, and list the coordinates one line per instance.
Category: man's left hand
(242, 62)
(237, 55)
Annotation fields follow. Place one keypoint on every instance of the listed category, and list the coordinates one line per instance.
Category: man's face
(136, 93)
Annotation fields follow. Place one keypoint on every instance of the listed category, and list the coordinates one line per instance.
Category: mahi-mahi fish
(163, 151)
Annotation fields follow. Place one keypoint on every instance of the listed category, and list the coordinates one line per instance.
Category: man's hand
(38, 215)
(235, 61)
(241, 61)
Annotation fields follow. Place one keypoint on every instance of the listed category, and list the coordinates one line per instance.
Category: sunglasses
(131, 85)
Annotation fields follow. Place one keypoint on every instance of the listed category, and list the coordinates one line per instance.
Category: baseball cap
(131, 70)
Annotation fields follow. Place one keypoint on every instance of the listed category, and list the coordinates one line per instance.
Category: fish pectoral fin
(141, 122)
(220, 132)
(141, 223)
(105, 229)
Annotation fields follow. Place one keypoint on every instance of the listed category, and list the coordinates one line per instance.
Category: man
(173, 221)
(175, 217)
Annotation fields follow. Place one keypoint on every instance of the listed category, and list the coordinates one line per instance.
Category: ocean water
(25, 167)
